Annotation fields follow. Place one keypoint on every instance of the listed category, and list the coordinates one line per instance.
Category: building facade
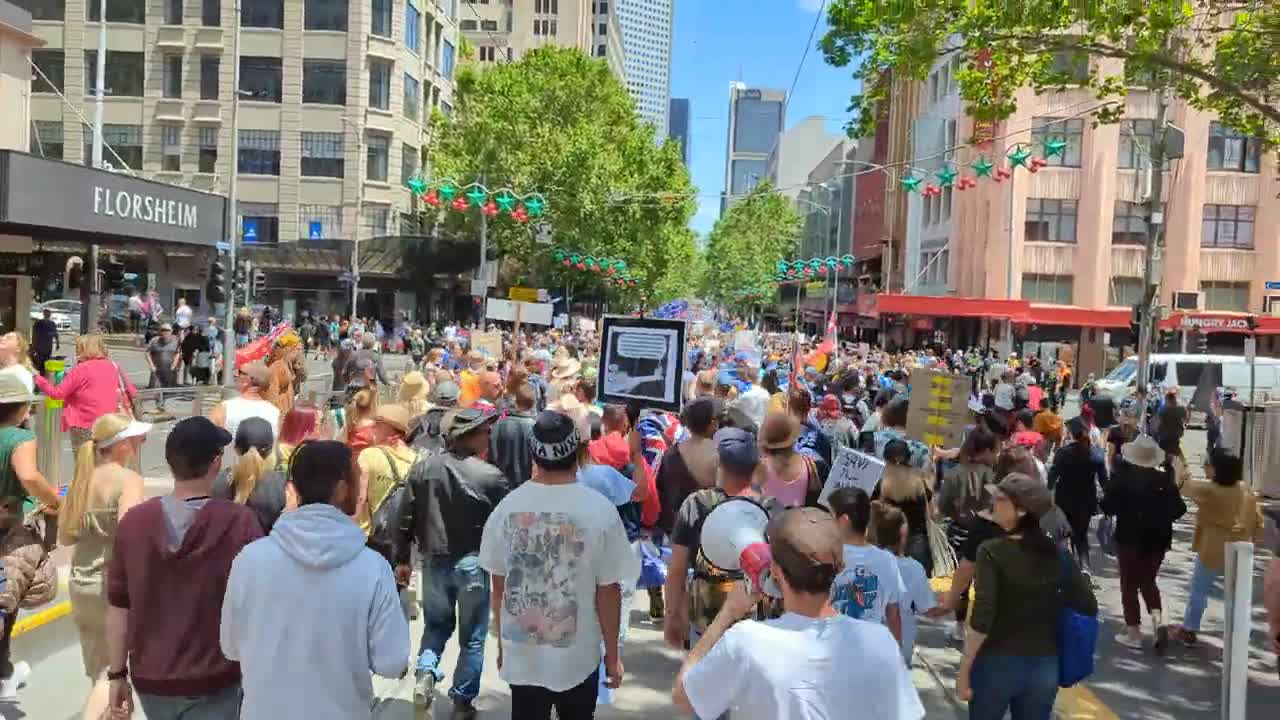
(504, 30)
(756, 117)
(678, 126)
(646, 43)
(797, 152)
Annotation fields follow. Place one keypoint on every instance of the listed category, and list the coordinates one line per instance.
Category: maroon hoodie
(174, 598)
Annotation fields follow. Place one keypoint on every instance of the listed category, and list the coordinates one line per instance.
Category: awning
(949, 306)
(1076, 316)
(1221, 322)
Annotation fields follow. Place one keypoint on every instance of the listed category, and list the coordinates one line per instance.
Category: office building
(755, 121)
(504, 30)
(334, 98)
(678, 126)
(796, 153)
(646, 43)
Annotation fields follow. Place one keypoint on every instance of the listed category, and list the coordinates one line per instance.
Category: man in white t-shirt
(755, 399)
(811, 663)
(557, 555)
(870, 587)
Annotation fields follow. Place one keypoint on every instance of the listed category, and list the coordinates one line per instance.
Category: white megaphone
(733, 541)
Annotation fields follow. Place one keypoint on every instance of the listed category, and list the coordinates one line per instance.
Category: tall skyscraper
(504, 30)
(678, 126)
(755, 123)
(646, 43)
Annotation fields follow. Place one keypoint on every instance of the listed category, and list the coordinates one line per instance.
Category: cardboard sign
(744, 340)
(852, 469)
(522, 294)
(489, 343)
(642, 359)
(511, 311)
(939, 408)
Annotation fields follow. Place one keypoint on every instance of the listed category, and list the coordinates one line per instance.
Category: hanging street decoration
(611, 269)
(911, 182)
(800, 270)
(754, 296)
(982, 167)
(447, 193)
(946, 176)
(1055, 146)
(1019, 156)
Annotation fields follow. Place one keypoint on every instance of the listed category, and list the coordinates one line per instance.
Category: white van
(1184, 371)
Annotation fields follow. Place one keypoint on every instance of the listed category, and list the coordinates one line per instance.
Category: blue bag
(1077, 634)
(653, 565)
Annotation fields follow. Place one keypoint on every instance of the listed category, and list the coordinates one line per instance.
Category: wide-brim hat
(1143, 451)
(565, 369)
(779, 431)
(413, 386)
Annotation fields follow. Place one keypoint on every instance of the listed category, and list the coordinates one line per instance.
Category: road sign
(1273, 284)
(250, 230)
(315, 231)
(1250, 349)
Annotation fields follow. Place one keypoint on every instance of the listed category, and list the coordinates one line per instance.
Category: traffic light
(259, 282)
(241, 281)
(114, 273)
(75, 274)
(217, 288)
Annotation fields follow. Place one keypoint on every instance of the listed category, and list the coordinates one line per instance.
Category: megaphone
(733, 540)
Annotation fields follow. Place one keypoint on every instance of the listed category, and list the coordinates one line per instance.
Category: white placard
(532, 313)
(744, 340)
(852, 469)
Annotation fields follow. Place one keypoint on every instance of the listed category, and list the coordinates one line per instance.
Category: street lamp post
(233, 231)
(355, 233)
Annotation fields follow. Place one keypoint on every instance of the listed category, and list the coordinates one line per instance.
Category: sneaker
(1129, 640)
(9, 686)
(424, 691)
(1162, 639)
(463, 709)
(657, 607)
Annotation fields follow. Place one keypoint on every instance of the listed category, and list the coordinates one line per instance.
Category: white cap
(133, 429)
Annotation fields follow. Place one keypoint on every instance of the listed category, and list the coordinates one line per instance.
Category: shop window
(380, 24)
(262, 13)
(171, 79)
(322, 154)
(1055, 289)
(170, 148)
(324, 82)
(210, 69)
(211, 13)
(208, 144)
(1051, 220)
(124, 73)
(378, 156)
(1069, 130)
(172, 12)
(47, 9)
(1129, 224)
(259, 223)
(380, 83)
(376, 221)
(1232, 150)
(411, 97)
(327, 219)
(120, 143)
(260, 79)
(259, 152)
(51, 62)
(1225, 296)
(412, 20)
(326, 15)
(1227, 226)
(1125, 291)
(120, 11)
(409, 159)
(46, 139)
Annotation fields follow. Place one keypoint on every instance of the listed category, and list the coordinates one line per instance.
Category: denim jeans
(1023, 686)
(222, 705)
(1203, 580)
(454, 592)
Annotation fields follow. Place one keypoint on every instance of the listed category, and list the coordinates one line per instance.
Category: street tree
(745, 245)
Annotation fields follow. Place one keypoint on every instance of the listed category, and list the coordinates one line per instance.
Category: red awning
(932, 306)
(1216, 322)
(1076, 316)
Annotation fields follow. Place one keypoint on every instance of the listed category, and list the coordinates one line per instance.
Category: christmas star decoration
(448, 191)
(417, 185)
(911, 183)
(946, 176)
(1019, 156)
(982, 167)
(490, 209)
(534, 206)
(520, 215)
(432, 198)
(460, 203)
(1055, 146)
(476, 195)
(506, 201)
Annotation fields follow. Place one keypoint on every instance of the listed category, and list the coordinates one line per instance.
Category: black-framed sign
(642, 359)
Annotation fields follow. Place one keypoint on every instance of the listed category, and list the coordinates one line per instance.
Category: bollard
(1238, 599)
(47, 424)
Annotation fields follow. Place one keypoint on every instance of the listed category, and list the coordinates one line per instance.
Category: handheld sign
(852, 469)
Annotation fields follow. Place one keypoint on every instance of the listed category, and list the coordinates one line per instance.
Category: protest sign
(852, 469)
(643, 359)
(939, 407)
(489, 343)
(744, 340)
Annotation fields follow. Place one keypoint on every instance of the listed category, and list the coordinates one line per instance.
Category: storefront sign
(1212, 324)
(144, 208)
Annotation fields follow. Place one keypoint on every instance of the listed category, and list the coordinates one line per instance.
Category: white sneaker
(1129, 641)
(10, 686)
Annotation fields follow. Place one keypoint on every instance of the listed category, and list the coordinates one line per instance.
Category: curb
(52, 613)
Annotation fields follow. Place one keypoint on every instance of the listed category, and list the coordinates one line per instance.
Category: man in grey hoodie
(310, 611)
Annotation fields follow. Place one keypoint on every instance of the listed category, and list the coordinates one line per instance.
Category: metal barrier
(1238, 598)
(47, 422)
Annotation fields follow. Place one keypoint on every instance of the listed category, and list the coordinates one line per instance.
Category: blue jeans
(1202, 584)
(454, 592)
(1023, 686)
(222, 705)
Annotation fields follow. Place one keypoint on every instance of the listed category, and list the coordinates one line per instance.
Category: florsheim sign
(63, 196)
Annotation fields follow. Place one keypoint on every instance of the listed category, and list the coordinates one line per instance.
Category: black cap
(255, 432)
(555, 437)
(192, 443)
(737, 449)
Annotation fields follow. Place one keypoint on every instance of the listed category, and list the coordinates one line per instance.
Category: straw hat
(779, 431)
(1143, 452)
(565, 369)
(413, 387)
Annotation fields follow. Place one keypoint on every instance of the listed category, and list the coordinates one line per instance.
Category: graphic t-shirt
(554, 544)
(919, 598)
(869, 583)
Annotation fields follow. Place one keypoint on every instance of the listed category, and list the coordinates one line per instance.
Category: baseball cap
(254, 432)
(737, 449)
(806, 540)
(555, 437)
(193, 442)
(445, 394)
(1025, 492)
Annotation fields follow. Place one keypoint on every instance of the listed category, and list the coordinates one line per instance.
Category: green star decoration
(534, 206)
(477, 195)
(506, 201)
(911, 183)
(1055, 146)
(448, 191)
(946, 176)
(417, 185)
(1019, 156)
(982, 167)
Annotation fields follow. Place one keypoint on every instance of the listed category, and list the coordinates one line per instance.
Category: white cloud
(810, 5)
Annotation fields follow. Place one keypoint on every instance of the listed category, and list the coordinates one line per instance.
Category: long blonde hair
(361, 407)
(901, 483)
(71, 514)
(248, 471)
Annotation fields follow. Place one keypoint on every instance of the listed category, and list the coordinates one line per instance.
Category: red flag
(828, 344)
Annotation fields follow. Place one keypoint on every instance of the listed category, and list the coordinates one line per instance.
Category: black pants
(531, 702)
(6, 663)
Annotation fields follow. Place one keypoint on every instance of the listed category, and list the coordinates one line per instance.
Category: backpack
(388, 523)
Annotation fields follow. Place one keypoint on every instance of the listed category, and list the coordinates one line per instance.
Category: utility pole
(355, 235)
(233, 215)
(100, 73)
(484, 255)
(1155, 227)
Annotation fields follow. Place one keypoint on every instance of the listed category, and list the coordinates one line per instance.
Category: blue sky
(759, 42)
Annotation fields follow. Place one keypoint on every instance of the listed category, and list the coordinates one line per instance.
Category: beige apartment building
(504, 30)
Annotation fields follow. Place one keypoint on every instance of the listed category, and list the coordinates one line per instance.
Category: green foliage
(746, 244)
(1220, 57)
(560, 123)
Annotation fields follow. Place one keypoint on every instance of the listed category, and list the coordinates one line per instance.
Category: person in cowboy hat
(564, 371)
(413, 393)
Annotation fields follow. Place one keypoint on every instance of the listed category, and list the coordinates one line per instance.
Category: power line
(497, 43)
(83, 120)
(808, 44)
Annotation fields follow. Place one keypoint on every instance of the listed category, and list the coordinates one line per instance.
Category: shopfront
(159, 237)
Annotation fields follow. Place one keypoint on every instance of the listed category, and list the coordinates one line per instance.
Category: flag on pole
(828, 344)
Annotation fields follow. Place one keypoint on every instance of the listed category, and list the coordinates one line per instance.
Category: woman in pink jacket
(94, 387)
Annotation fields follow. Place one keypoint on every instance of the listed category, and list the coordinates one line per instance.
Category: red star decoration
(490, 208)
(460, 203)
(432, 198)
(520, 215)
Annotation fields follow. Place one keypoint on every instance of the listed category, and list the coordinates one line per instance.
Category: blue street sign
(315, 231)
(250, 230)
(1273, 284)
(223, 246)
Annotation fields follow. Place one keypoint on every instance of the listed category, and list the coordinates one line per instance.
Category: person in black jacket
(1077, 477)
(1145, 502)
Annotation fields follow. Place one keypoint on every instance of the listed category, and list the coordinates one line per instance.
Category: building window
(408, 162)
(47, 9)
(546, 6)
(446, 110)
(378, 157)
(211, 13)
(262, 13)
(446, 59)
(46, 141)
(325, 220)
(1051, 220)
(124, 73)
(411, 97)
(208, 143)
(260, 78)
(53, 63)
(380, 22)
(326, 15)
(1136, 138)
(172, 12)
(124, 140)
(1129, 226)
(1070, 131)
(756, 125)
(487, 53)
(544, 28)
(600, 51)
(603, 8)
(322, 154)
(1125, 291)
(1054, 289)
(489, 25)
(1227, 226)
(380, 83)
(376, 220)
(1226, 296)
(324, 82)
(170, 148)
(171, 79)
(120, 11)
(602, 29)
(210, 66)
(467, 25)
(1071, 65)
(259, 152)
(411, 19)
(259, 223)
(1232, 150)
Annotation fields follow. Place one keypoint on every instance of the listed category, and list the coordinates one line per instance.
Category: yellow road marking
(1079, 703)
(57, 611)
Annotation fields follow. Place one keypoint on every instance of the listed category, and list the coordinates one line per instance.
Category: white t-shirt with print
(869, 583)
(918, 599)
(554, 544)
(804, 668)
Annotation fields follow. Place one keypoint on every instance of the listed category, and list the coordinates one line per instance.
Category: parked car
(64, 313)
